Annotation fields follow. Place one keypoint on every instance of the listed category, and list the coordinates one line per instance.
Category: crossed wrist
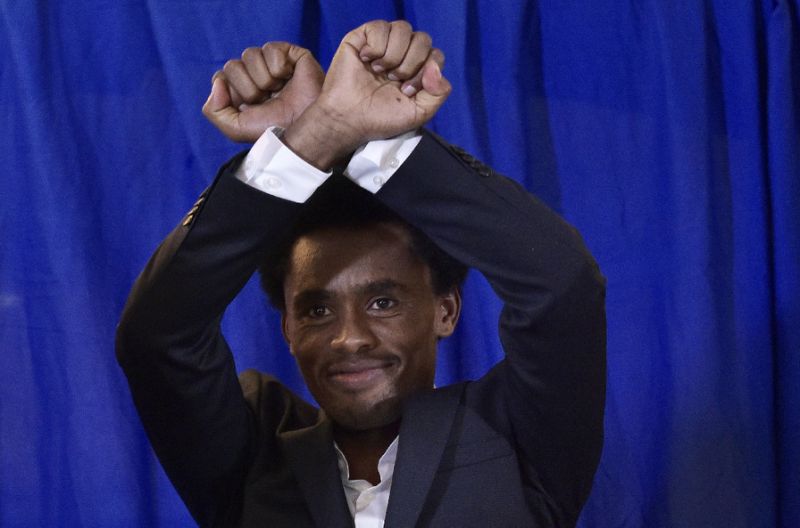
(321, 135)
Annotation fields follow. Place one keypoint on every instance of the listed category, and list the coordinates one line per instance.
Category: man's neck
(363, 449)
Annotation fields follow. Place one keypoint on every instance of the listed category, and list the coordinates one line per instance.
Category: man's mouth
(360, 374)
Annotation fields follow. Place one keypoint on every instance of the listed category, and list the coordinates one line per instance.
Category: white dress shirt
(368, 503)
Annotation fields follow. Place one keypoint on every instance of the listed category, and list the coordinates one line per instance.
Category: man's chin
(362, 416)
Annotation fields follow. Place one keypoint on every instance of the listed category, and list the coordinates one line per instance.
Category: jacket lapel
(427, 420)
(312, 459)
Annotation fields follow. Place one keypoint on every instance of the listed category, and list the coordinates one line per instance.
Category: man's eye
(318, 311)
(384, 303)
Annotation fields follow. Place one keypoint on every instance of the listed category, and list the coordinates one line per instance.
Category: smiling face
(362, 320)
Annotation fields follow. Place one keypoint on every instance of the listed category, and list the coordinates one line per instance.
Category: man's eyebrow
(381, 286)
(312, 296)
(315, 295)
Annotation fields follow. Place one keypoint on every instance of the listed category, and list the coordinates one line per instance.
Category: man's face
(362, 321)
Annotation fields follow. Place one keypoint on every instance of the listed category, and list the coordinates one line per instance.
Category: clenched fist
(271, 85)
(385, 79)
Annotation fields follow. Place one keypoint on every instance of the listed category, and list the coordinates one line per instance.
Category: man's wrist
(320, 137)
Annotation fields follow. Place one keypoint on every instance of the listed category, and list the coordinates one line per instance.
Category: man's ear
(448, 309)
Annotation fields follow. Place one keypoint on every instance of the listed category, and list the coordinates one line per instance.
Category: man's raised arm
(547, 395)
(179, 368)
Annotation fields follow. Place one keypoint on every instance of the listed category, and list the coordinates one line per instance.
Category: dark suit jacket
(518, 447)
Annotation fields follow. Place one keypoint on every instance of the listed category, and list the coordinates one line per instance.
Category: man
(364, 299)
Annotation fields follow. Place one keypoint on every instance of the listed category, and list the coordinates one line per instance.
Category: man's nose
(353, 333)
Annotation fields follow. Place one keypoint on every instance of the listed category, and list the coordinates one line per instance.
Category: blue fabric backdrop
(667, 132)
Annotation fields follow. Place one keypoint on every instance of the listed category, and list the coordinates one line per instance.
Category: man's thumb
(435, 87)
(219, 111)
(219, 97)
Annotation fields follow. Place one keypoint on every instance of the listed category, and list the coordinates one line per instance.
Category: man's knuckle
(277, 61)
(251, 53)
(377, 27)
(280, 69)
(270, 47)
(271, 52)
(423, 37)
(402, 25)
(231, 66)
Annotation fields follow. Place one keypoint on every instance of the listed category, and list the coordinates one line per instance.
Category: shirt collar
(385, 467)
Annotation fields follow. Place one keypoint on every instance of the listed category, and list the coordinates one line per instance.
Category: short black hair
(339, 203)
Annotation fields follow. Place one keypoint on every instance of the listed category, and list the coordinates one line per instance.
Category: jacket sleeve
(551, 384)
(179, 368)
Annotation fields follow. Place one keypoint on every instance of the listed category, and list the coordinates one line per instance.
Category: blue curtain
(667, 132)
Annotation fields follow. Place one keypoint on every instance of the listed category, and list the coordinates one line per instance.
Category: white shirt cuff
(373, 164)
(273, 168)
